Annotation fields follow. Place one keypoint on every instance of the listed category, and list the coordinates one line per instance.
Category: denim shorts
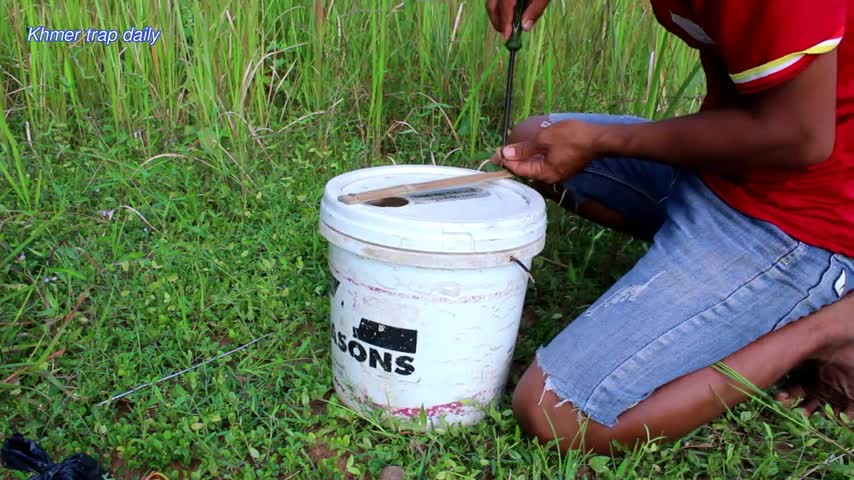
(713, 281)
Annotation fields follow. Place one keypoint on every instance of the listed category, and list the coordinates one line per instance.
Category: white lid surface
(481, 218)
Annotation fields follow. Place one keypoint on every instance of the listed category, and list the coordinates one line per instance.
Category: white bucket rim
(442, 260)
(495, 216)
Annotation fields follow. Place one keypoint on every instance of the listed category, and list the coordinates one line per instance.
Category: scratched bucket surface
(427, 291)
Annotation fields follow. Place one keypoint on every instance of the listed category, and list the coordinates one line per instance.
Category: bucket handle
(523, 267)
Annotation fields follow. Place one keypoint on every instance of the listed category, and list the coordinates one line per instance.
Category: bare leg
(684, 404)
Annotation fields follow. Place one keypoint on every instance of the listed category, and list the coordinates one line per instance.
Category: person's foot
(827, 377)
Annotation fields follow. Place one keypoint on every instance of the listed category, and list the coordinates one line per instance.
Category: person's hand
(501, 15)
(556, 153)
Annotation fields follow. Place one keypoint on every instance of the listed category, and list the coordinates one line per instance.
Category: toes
(810, 406)
(796, 396)
(788, 397)
(844, 415)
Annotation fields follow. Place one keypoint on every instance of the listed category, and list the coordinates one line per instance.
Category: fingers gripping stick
(514, 43)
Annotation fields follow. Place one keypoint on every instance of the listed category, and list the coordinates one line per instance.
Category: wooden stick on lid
(409, 188)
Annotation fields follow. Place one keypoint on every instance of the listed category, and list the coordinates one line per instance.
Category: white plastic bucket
(426, 297)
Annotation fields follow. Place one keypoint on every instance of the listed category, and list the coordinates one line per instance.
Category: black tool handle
(515, 41)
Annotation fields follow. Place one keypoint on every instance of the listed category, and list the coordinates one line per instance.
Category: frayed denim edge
(553, 385)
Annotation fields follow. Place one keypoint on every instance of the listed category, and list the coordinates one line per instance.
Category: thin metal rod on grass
(177, 374)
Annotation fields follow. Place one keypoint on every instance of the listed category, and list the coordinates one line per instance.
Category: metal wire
(176, 374)
(522, 265)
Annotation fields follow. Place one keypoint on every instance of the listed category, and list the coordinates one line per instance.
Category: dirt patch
(585, 472)
(119, 468)
(392, 472)
(320, 452)
(341, 463)
(306, 329)
(185, 470)
(123, 406)
(527, 322)
(529, 319)
(317, 407)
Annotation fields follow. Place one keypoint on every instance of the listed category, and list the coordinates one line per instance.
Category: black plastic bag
(26, 455)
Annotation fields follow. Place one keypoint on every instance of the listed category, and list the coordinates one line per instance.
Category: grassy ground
(158, 206)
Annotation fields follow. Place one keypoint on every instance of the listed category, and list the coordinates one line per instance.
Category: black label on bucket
(333, 284)
(449, 194)
(384, 336)
(380, 346)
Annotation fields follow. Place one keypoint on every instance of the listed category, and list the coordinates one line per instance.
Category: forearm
(724, 140)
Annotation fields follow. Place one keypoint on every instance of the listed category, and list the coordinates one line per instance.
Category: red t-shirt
(748, 46)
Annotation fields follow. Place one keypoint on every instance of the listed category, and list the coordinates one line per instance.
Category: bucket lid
(493, 216)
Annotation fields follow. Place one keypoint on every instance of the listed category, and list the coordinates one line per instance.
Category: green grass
(178, 188)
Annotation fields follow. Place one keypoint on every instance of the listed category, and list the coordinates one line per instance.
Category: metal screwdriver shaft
(508, 97)
(514, 43)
